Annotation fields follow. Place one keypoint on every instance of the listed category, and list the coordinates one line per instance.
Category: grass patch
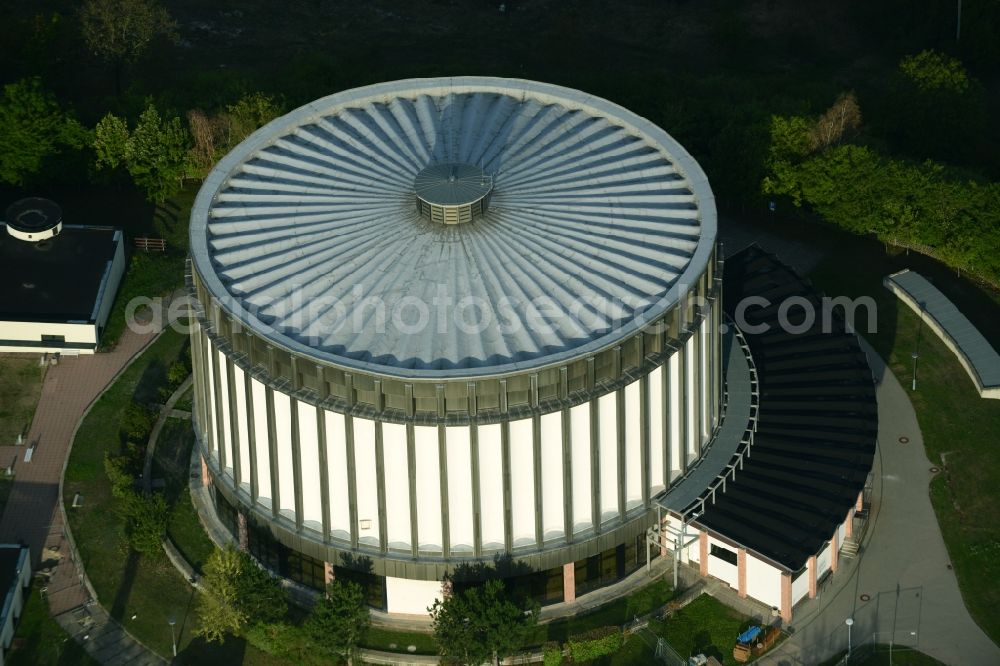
(127, 584)
(704, 626)
(186, 401)
(959, 428)
(384, 639)
(42, 642)
(618, 612)
(20, 388)
(171, 462)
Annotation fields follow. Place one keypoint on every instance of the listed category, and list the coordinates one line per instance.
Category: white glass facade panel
(674, 424)
(608, 425)
(553, 503)
(224, 420)
(211, 425)
(242, 425)
(312, 502)
(336, 455)
(460, 488)
(522, 482)
(491, 487)
(366, 481)
(656, 442)
(425, 440)
(692, 403)
(261, 439)
(706, 349)
(397, 485)
(283, 435)
(633, 447)
(579, 418)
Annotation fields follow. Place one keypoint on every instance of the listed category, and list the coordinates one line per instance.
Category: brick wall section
(811, 572)
(569, 581)
(741, 572)
(786, 597)
(834, 551)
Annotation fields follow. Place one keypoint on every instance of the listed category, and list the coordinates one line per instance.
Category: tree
(239, 592)
(339, 621)
(120, 31)
(481, 623)
(839, 120)
(33, 129)
(155, 153)
(110, 141)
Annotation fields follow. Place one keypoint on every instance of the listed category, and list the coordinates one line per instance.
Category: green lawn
(186, 401)
(20, 388)
(171, 462)
(704, 626)
(41, 641)
(956, 423)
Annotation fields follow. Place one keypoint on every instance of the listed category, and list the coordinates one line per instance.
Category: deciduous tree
(33, 129)
(481, 623)
(338, 622)
(119, 31)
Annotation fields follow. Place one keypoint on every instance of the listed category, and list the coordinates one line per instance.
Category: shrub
(553, 654)
(595, 643)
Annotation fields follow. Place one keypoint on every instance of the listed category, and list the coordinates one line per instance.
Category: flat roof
(984, 360)
(55, 280)
(817, 423)
(10, 555)
(597, 221)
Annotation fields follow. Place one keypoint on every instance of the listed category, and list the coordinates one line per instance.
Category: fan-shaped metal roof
(309, 231)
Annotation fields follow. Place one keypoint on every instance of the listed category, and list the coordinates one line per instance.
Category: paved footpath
(903, 566)
(32, 514)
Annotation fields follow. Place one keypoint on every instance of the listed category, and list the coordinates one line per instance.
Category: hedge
(595, 643)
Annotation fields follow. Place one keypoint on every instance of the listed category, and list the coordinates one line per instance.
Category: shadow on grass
(117, 609)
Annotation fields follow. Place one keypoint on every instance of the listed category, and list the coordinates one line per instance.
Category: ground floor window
(724, 554)
(544, 587)
(612, 565)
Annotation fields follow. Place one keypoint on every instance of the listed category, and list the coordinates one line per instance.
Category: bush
(595, 643)
(553, 654)
(137, 422)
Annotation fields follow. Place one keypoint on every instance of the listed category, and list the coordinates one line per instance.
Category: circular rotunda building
(452, 321)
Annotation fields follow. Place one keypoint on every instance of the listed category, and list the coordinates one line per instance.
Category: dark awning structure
(817, 424)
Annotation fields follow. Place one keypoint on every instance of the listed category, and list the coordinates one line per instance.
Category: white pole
(958, 25)
(849, 621)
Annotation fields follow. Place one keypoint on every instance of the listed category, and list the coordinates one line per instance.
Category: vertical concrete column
(569, 581)
(860, 504)
(206, 476)
(834, 551)
(328, 575)
(741, 572)
(786, 597)
(241, 530)
(849, 524)
(703, 553)
(811, 572)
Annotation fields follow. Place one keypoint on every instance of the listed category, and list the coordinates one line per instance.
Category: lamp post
(849, 622)
(914, 356)
(173, 634)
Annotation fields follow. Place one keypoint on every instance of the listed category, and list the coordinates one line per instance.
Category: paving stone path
(33, 515)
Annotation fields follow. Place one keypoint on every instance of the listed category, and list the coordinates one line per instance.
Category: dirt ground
(20, 387)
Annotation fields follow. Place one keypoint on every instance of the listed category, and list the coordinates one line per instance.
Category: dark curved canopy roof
(817, 422)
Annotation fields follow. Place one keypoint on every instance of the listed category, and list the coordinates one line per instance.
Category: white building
(445, 323)
(59, 280)
(339, 417)
(15, 579)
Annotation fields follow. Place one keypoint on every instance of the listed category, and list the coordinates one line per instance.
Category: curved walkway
(166, 411)
(34, 515)
(903, 566)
